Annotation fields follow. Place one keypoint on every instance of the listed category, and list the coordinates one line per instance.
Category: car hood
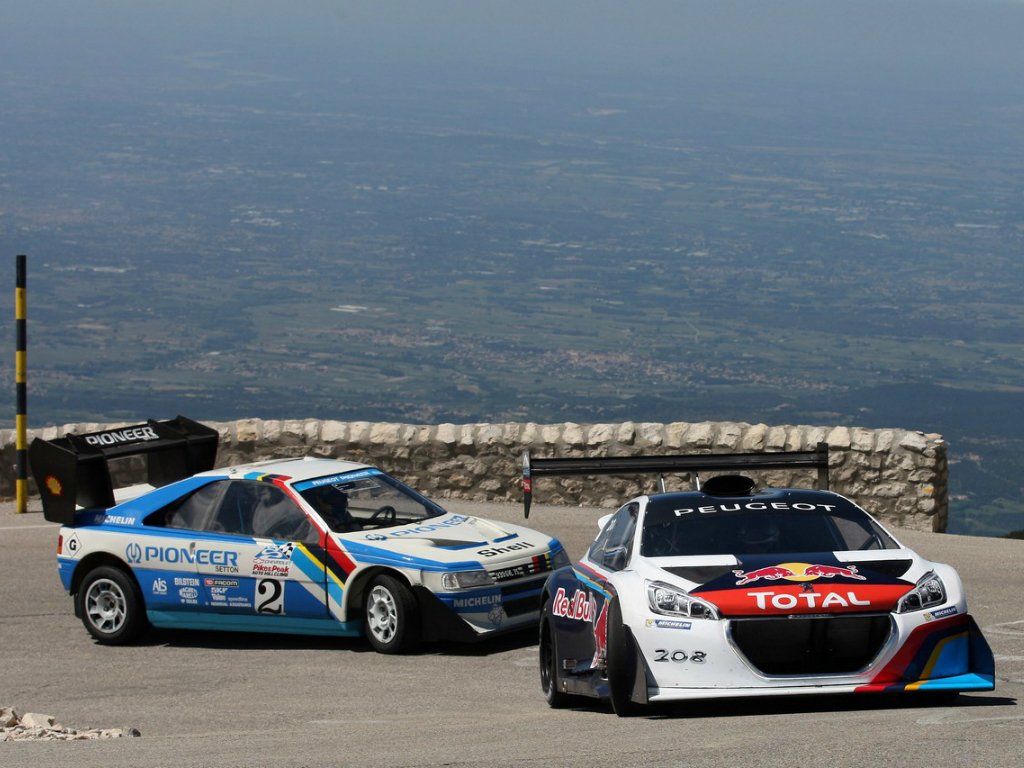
(449, 541)
(798, 583)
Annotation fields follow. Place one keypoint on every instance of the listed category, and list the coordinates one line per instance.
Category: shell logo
(53, 485)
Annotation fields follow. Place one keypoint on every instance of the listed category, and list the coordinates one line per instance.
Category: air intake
(728, 485)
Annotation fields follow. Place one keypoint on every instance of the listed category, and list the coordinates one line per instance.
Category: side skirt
(247, 623)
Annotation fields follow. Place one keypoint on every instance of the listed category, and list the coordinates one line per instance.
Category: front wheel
(548, 653)
(111, 606)
(391, 616)
(621, 663)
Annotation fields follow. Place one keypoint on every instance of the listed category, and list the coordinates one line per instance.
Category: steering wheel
(385, 514)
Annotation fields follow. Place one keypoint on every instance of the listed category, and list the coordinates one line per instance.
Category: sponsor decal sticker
(53, 485)
(219, 558)
(276, 552)
(159, 587)
(669, 624)
(118, 436)
(756, 506)
(494, 551)
(496, 615)
(119, 519)
(797, 572)
(477, 601)
(189, 595)
(941, 613)
(453, 521)
(186, 581)
(133, 553)
(785, 601)
(579, 607)
(221, 582)
(346, 477)
(273, 560)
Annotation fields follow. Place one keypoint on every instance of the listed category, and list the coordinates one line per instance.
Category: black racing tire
(111, 606)
(391, 616)
(621, 658)
(548, 658)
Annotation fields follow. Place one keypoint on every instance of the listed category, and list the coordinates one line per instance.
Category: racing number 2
(271, 592)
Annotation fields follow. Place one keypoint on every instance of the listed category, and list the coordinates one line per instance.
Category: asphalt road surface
(207, 699)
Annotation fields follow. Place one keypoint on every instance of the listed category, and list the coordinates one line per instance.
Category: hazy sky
(927, 43)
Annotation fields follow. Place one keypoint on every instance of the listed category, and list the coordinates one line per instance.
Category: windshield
(791, 523)
(365, 499)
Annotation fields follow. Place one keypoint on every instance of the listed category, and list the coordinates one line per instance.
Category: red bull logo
(772, 573)
(797, 572)
(831, 571)
(579, 607)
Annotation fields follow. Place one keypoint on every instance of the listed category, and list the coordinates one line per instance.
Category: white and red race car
(302, 546)
(727, 591)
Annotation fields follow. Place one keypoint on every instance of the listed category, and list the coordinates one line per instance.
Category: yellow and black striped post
(21, 419)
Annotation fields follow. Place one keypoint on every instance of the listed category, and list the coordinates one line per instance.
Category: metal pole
(21, 419)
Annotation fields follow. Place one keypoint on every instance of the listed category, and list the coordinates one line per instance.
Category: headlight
(928, 592)
(672, 601)
(465, 579)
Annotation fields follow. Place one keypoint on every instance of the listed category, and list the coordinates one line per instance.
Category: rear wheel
(548, 656)
(621, 663)
(392, 620)
(111, 606)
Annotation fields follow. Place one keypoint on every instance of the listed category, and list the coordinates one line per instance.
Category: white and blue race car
(730, 591)
(305, 546)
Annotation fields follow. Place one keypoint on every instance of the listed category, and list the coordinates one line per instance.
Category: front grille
(811, 646)
(523, 597)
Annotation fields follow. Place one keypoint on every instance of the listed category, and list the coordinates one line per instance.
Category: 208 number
(679, 656)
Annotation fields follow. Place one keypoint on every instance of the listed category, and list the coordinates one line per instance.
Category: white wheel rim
(106, 606)
(382, 614)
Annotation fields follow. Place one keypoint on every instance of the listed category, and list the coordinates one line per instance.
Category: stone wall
(899, 476)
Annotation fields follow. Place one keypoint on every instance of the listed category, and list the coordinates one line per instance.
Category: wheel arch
(96, 559)
(355, 589)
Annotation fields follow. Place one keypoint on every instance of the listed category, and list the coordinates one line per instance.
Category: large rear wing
(631, 465)
(74, 470)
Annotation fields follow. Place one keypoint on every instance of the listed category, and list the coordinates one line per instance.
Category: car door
(272, 575)
(164, 560)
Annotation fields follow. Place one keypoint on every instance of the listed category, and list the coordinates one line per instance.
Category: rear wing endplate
(74, 471)
(631, 465)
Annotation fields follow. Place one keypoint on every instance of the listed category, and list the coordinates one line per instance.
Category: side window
(614, 544)
(275, 516)
(857, 535)
(190, 512)
(234, 515)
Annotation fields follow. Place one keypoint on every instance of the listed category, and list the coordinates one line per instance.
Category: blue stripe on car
(364, 553)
